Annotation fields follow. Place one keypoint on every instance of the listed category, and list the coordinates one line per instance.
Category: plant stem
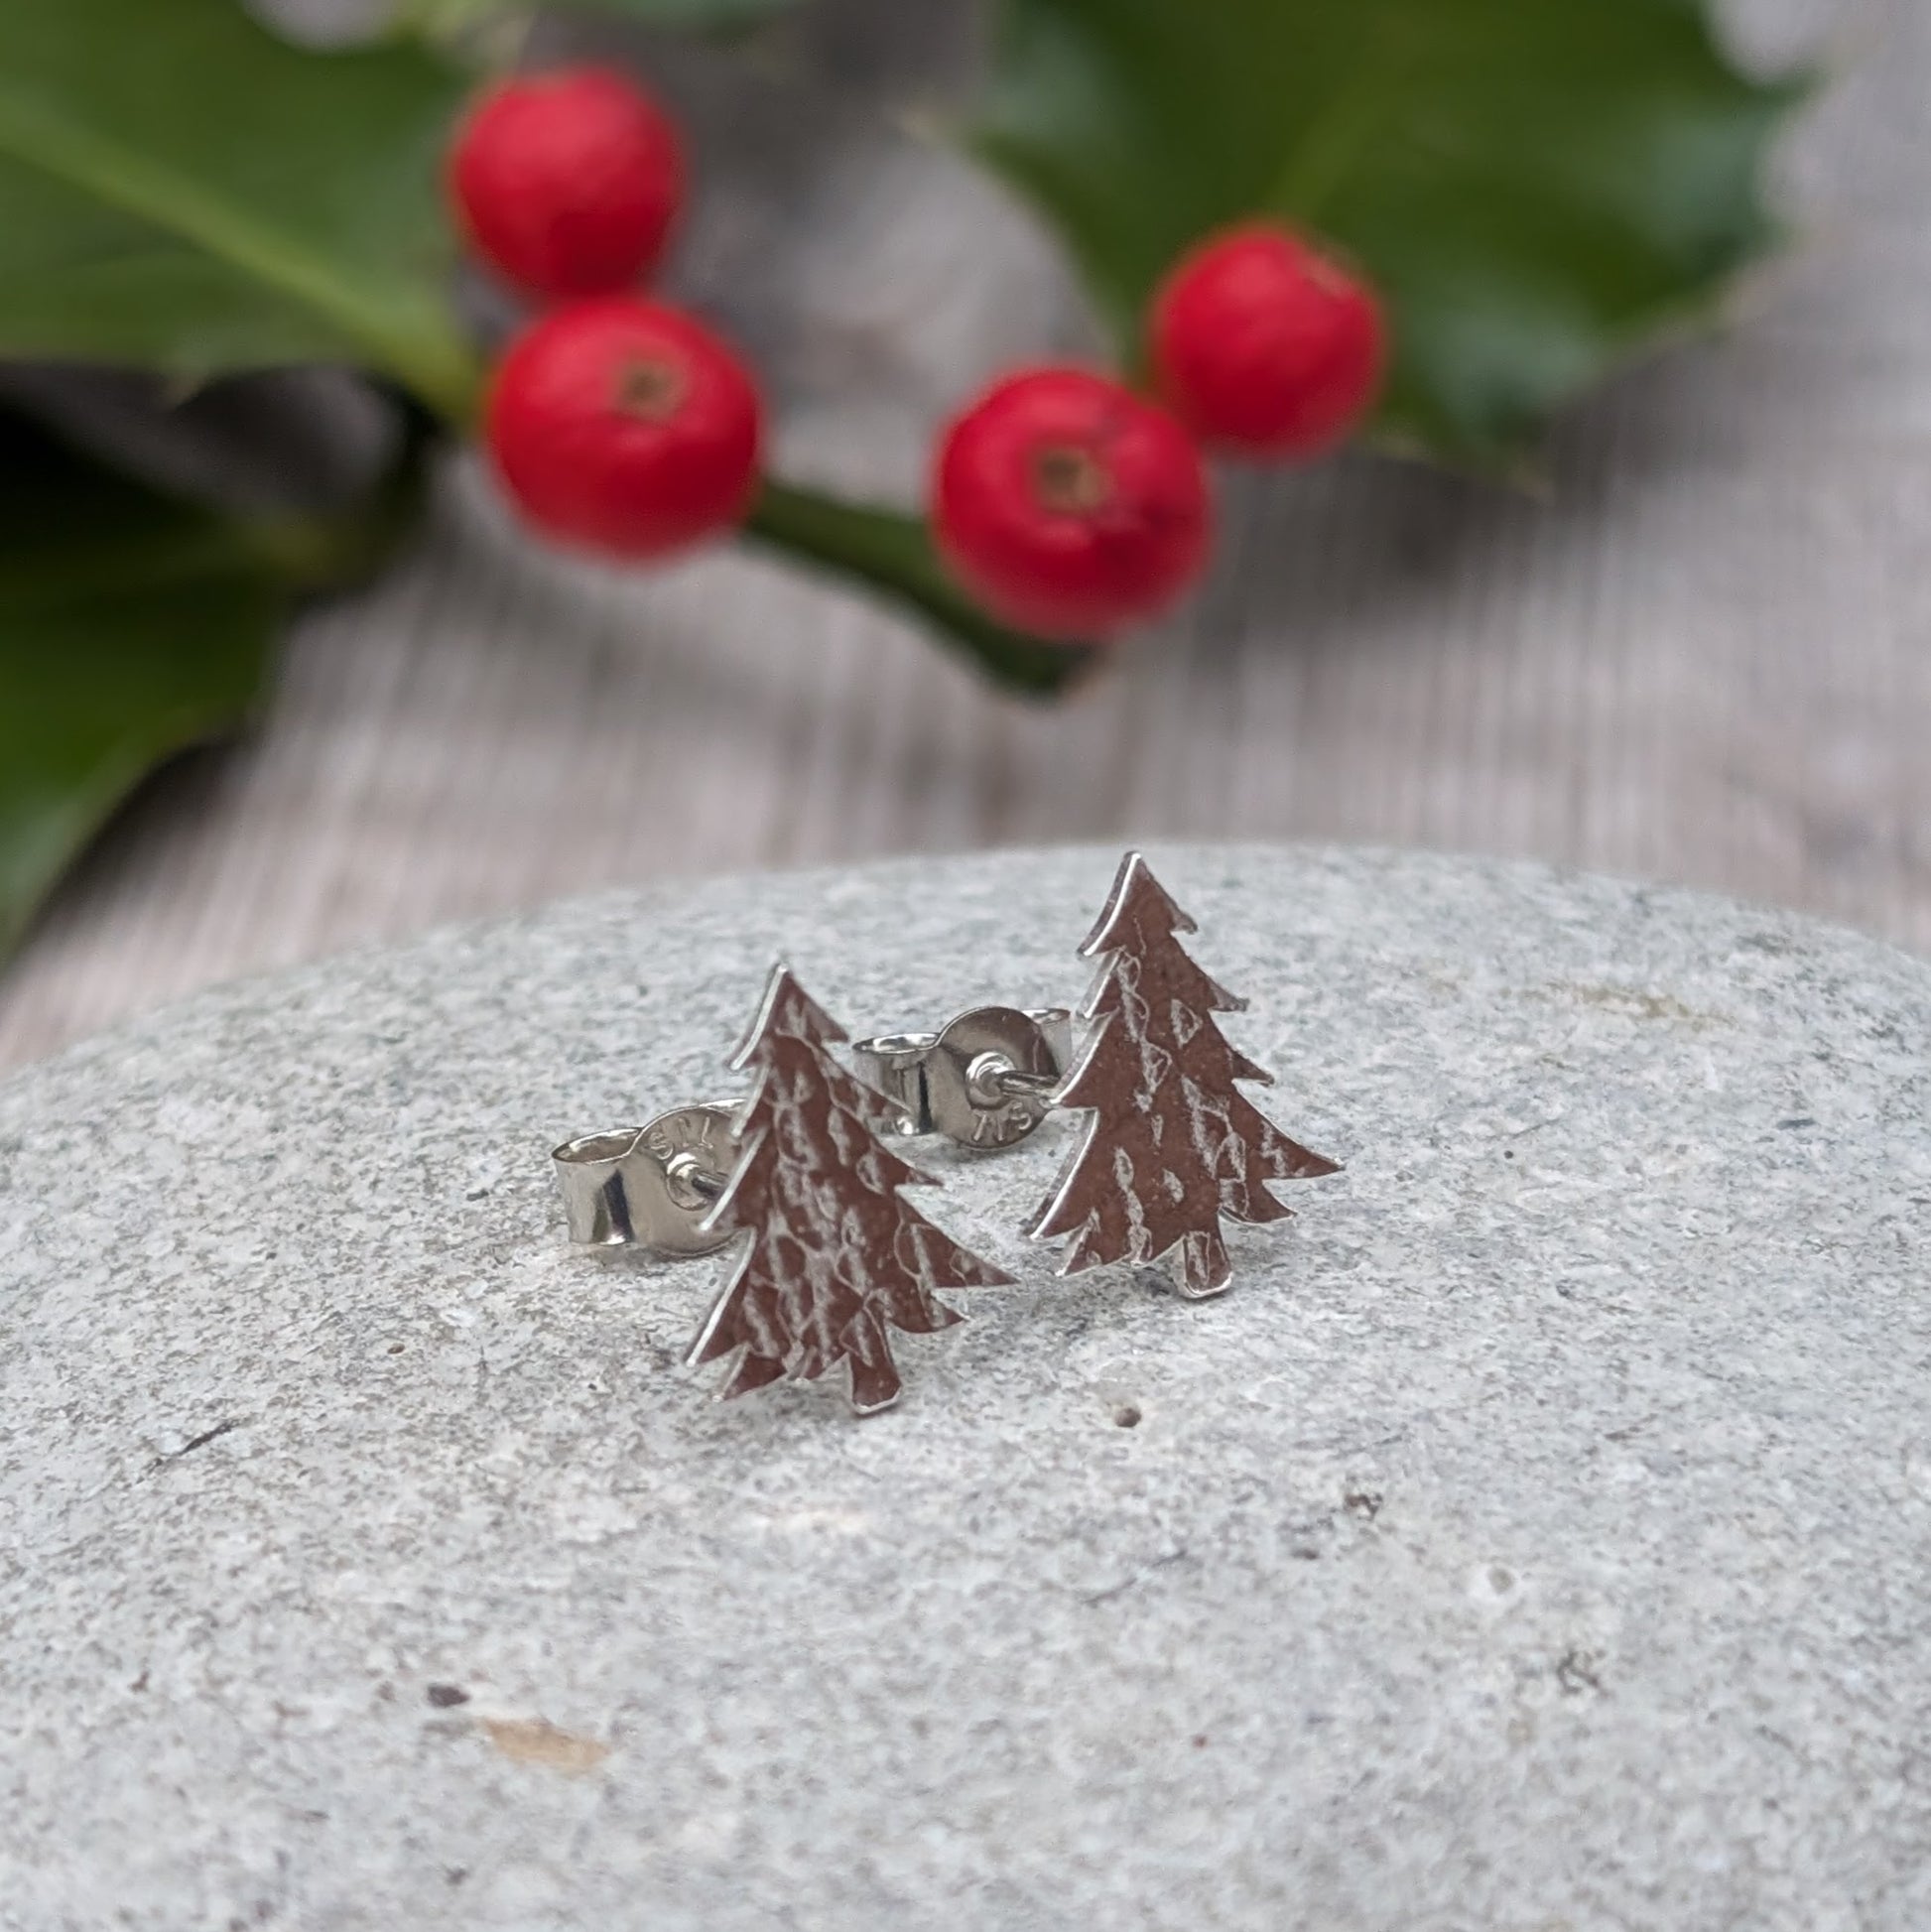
(892, 556)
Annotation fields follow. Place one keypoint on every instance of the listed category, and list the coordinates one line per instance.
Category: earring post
(984, 1080)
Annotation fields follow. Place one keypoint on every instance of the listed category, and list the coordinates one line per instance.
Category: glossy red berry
(1266, 347)
(625, 427)
(1070, 506)
(567, 182)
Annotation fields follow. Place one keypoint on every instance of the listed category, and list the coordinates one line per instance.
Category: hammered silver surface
(1171, 1144)
(834, 1257)
(1537, 1538)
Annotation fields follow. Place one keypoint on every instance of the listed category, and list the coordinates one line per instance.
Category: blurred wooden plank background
(1703, 655)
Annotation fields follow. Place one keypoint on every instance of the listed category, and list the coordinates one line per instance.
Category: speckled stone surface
(1537, 1537)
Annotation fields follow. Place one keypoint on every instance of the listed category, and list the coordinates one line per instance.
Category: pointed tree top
(785, 1009)
(1137, 900)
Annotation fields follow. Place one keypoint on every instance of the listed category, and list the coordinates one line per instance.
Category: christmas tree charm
(1173, 1143)
(836, 1259)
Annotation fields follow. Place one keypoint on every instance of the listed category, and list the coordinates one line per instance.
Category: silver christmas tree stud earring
(836, 1259)
(984, 1079)
(1173, 1144)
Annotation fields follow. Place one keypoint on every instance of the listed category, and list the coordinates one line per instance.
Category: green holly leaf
(184, 190)
(133, 624)
(1537, 186)
(130, 626)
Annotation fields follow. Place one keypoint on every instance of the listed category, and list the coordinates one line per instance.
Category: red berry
(1265, 346)
(568, 182)
(625, 427)
(1070, 506)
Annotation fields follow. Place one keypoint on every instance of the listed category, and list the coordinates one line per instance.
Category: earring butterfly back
(985, 1080)
(653, 1187)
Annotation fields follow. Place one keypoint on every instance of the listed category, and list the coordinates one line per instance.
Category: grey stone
(1537, 1535)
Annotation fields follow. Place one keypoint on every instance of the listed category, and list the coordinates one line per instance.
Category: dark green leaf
(892, 556)
(182, 190)
(1536, 185)
(130, 627)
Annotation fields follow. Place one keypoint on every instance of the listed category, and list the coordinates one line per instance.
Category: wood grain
(1703, 654)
